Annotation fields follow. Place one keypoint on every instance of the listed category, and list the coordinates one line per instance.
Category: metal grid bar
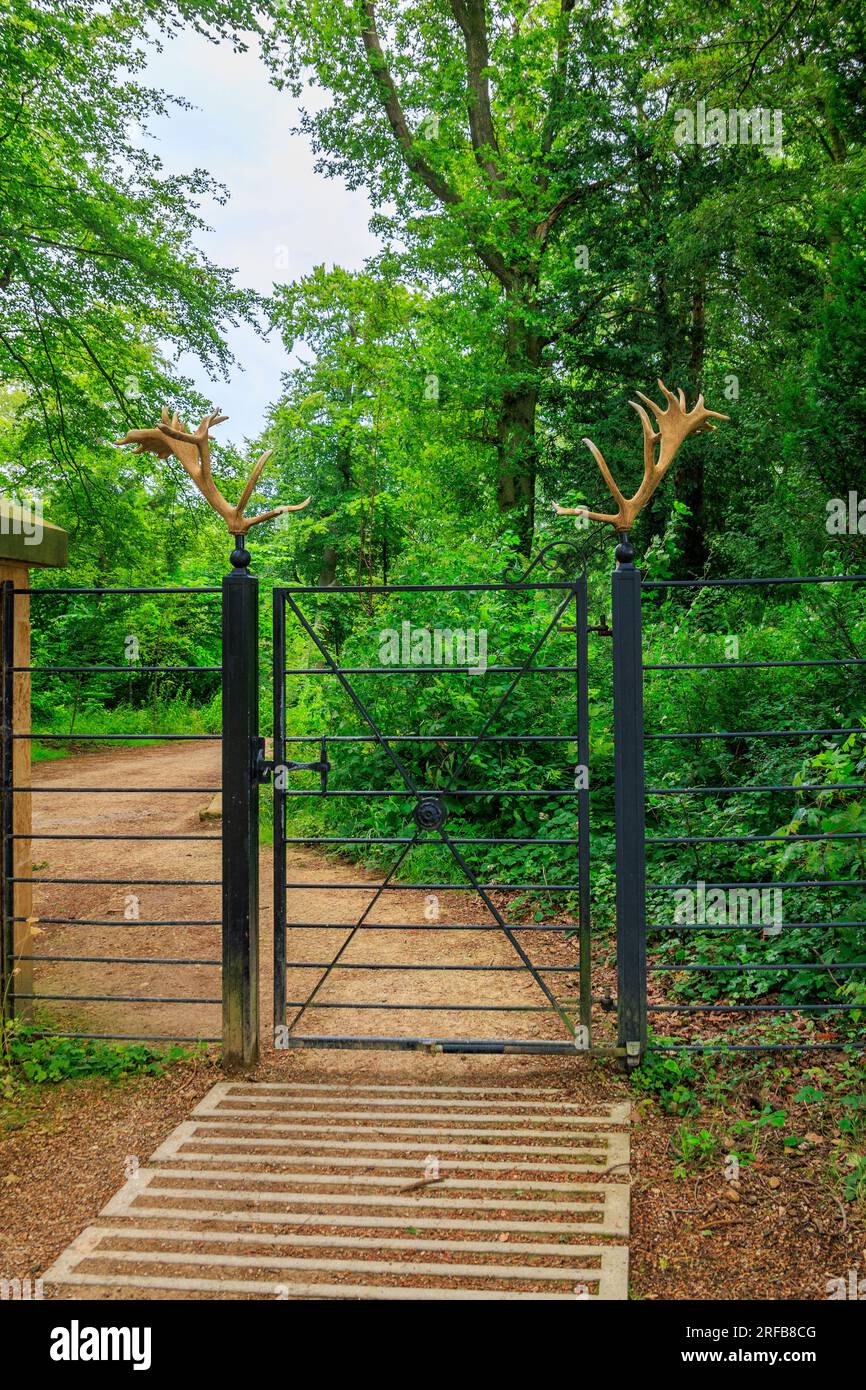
(752, 665)
(126, 960)
(761, 733)
(746, 583)
(55, 591)
(122, 738)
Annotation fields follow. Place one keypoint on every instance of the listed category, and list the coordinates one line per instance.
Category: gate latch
(264, 767)
(600, 627)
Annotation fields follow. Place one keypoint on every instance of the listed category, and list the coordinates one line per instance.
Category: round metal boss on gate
(430, 813)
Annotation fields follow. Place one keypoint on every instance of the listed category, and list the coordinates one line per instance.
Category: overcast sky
(281, 219)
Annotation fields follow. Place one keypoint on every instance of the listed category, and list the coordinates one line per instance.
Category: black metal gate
(432, 836)
(433, 772)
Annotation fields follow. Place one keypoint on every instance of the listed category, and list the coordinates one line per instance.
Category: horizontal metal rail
(760, 733)
(429, 1008)
(134, 1037)
(98, 835)
(449, 670)
(114, 999)
(751, 665)
(120, 882)
(748, 1047)
(516, 1046)
(746, 926)
(744, 583)
(56, 590)
(777, 968)
(565, 927)
(130, 669)
(115, 791)
(753, 839)
(410, 839)
(124, 738)
(120, 922)
(748, 1008)
(779, 787)
(394, 965)
(125, 960)
(442, 887)
(435, 738)
(428, 791)
(561, 585)
(763, 883)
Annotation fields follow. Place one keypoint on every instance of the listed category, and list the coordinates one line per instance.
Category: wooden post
(22, 546)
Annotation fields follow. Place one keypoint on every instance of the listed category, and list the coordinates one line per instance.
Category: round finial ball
(240, 556)
(624, 553)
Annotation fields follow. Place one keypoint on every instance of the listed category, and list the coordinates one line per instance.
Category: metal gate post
(629, 788)
(240, 813)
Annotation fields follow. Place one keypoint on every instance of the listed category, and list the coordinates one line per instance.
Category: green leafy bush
(44, 1059)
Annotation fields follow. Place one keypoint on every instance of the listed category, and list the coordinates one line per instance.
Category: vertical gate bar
(279, 680)
(629, 791)
(240, 822)
(7, 848)
(581, 641)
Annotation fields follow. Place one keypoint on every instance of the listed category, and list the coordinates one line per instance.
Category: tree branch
(470, 15)
(394, 111)
(557, 84)
(413, 157)
(543, 229)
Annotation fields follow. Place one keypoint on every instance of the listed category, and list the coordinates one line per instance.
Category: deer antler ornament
(674, 425)
(192, 449)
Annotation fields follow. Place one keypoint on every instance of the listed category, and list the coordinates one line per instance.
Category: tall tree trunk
(516, 444)
(690, 473)
(328, 567)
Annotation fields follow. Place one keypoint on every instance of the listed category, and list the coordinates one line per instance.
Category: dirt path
(82, 796)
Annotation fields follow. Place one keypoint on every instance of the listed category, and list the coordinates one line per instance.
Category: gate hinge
(264, 768)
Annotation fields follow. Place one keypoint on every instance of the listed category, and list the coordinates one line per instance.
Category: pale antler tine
(275, 511)
(681, 395)
(175, 432)
(252, 480)
(650, 439)
(605, 471)
(653, 405)
(668, 395)
(644, 419)
(584, 511)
